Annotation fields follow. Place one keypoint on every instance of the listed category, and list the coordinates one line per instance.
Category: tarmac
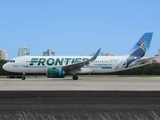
(84, 83)
(92, 97)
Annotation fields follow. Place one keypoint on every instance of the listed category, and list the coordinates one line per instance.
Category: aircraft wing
(145, 60)
(80, 64)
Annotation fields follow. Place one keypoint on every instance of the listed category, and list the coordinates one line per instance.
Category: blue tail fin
(141, 48)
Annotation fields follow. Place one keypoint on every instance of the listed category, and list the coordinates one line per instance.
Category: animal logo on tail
(139, 50)
(137, 54)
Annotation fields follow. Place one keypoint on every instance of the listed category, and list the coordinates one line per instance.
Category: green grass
(26, 115)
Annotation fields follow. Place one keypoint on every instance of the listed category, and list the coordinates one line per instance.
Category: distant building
(23, 51)
(157, 57)
(103, 54)
(92, 54)
(3, 55)
(109, 54)
(49, 52)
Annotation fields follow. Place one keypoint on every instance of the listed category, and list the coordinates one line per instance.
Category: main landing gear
(75, 77)
(23, 76)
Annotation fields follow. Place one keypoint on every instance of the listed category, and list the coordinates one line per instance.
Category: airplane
(60, 66)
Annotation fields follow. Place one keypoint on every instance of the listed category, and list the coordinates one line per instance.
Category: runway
(85, 83)
(89, 98)
(80, 105)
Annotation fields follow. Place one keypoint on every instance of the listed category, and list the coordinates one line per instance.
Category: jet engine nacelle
(53, 72)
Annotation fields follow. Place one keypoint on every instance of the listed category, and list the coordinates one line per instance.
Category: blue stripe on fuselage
(106, 67)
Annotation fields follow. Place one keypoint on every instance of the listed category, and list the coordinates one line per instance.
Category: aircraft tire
(75, 77)
(23, 78)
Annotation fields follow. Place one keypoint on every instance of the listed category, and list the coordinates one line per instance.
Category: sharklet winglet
(96, 54)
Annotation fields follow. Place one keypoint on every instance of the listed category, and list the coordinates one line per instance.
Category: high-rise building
(23, 51)
(49, 52)
(3, 55)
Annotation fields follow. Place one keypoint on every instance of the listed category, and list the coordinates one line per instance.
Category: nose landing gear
(23, 76)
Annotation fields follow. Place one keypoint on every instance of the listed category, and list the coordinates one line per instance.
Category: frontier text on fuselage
(56, 61)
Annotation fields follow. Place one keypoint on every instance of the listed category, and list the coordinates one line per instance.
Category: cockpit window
(12, 61)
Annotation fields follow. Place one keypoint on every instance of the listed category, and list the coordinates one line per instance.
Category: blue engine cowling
(54, 72)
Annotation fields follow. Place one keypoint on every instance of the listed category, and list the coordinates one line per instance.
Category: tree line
(150, 69)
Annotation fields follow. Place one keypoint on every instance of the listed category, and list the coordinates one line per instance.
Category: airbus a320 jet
(60, 66)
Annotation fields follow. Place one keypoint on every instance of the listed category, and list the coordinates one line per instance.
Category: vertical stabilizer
(142, 46)
(139, 50)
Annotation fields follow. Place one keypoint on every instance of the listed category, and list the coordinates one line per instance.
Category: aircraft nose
(5, 67)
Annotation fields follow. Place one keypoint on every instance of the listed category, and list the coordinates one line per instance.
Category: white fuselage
(39, 64)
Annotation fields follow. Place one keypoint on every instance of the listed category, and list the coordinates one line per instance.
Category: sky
(78, 27)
